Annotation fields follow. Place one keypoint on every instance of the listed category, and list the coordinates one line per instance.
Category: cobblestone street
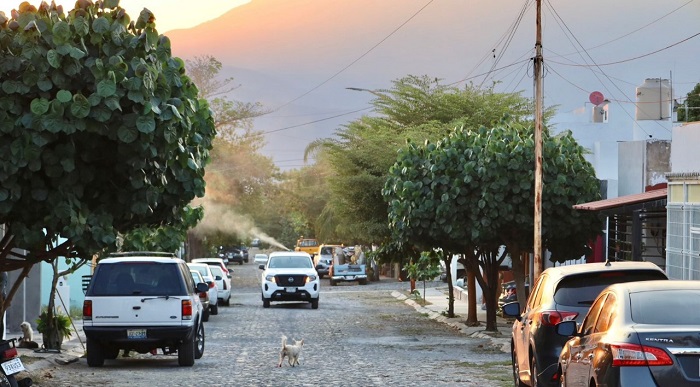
(359, 336)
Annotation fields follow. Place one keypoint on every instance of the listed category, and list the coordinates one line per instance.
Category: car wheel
(333, 283)
(228, 301)
(95, 354)
(240, 263)
(266, 302)
(363, 281)
(215, 309)
(185, 352)
(199, 342)
(320, 276)
(516, 368)
(205, 315)
(314, 303)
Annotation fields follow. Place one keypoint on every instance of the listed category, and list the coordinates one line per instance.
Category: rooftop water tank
(653, 100)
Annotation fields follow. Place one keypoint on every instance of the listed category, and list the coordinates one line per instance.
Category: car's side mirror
(218, 278)
(229, 276)
(512, 309)
(202, 287)
(261, 267)
(567, 328)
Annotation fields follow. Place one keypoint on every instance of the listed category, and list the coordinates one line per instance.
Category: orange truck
(307, 245)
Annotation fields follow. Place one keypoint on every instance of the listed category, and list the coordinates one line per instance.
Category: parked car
(635, 334)
(260, 259)
(255, 242)
(561, 293)
(214, 262)
(142, 302)
(203, 296)
(234, 255)
(509, 293)
(210, 279)
(290, 276)
(324, 259)
(223, 286)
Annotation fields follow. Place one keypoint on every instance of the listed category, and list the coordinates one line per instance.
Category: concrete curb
(500, 342)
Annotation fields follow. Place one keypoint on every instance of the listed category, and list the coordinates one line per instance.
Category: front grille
(290, 279)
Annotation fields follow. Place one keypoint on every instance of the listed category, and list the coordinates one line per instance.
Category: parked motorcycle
(11, 364)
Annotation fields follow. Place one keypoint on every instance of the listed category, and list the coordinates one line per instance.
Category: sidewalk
(38, 362)
(437, 302)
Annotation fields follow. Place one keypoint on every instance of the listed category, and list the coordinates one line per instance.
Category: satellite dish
(596, 98)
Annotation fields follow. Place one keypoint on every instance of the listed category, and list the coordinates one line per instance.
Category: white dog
(292, 352)
(27, 339)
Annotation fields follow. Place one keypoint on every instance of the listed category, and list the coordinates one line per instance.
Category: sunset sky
(170, 14)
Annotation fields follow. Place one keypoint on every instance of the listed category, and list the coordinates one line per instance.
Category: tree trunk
(472, 318)
(450, 287)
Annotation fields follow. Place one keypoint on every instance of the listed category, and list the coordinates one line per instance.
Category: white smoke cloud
(219, 217)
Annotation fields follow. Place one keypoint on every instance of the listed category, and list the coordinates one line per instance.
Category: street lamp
(367, 90)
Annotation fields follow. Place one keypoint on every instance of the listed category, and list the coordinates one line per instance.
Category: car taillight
(633, 355)
(87, 310)
(9, 353)
(203, 296)
(186, 310)
(554, 317)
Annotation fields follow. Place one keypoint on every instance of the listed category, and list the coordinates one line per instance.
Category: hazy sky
(170, 14)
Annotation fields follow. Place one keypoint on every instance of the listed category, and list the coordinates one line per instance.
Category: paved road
(359, 336)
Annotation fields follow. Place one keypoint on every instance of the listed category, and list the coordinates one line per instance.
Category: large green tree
(472, 192)
(101, 132)
(361, 153)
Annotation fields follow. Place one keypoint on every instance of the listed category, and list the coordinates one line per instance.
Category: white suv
(290, 276)
(141, 302)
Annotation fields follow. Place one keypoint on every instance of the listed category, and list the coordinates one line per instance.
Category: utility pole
(537, 245)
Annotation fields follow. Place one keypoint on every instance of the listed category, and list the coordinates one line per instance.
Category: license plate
(135, 333)
(13, 366)
(291, 290)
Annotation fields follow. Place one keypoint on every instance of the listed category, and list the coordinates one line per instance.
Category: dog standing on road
(292, 352)
(27, 339)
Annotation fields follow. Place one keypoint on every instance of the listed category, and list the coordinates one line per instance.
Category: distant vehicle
(346, 269)
(203, 296)
(210, 279)
(324, 259)
(255, 242)
(307, 245)
(635, 334)
(223, 286)
(561, 293)
(260, 259)
(290, 276)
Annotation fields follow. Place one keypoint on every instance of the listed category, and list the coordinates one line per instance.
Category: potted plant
(54, 331)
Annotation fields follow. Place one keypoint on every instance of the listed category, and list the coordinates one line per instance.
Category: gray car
(562, 293)
(636, 334)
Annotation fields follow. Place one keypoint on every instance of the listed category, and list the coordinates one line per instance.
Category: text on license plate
(135, 333)
(291, 290)
(13, 366)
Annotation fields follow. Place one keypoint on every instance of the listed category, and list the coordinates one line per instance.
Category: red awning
(623, 200)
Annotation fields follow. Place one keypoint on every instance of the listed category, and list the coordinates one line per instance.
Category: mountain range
(298, 57)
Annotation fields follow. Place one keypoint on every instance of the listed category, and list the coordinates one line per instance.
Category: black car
(235, 256)
(562, 293)
(636, 334)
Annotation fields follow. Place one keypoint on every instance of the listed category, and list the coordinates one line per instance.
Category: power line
(356, 60)
(315, 121)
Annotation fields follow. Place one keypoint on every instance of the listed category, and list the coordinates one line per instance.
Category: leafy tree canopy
(101, 130)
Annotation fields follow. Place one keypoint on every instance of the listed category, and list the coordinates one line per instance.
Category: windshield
(290, 262)
(137, 278)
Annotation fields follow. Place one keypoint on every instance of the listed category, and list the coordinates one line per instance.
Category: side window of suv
(536, 295)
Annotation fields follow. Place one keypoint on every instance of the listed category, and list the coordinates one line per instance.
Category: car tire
(314, 303)
(199, 342)
(205, 315)
(333, 283)
(95, 354)
(240, 263)
(266, 302)
(363, 282)
(185, 352)
(228, 301)
(516, 369)
(215, 309)
(320, 276)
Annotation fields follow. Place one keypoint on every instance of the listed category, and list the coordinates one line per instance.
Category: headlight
(310, 278)
(270, 278)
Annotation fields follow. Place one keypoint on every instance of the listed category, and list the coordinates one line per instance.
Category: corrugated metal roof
(623, 200)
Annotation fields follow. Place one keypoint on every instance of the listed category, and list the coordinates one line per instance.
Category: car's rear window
(290, 262)
(217, 271)
(665, 307)
(582, 289)
(136, 278)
